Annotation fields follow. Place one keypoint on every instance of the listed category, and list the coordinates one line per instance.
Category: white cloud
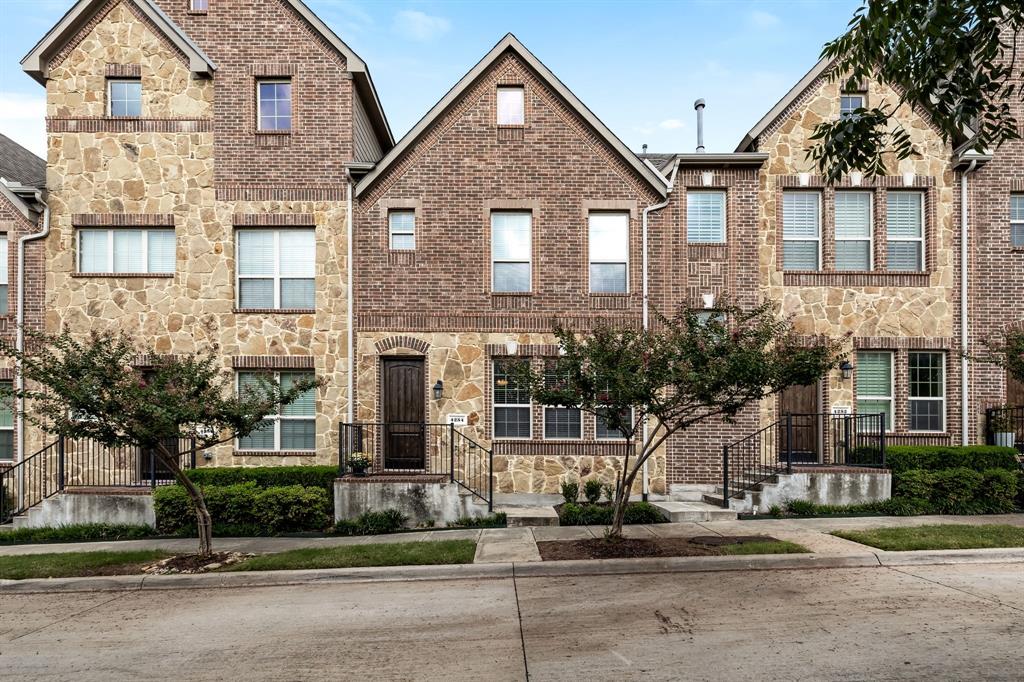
(761, 19)
(672, 124)
(23, 119)
(419, 26)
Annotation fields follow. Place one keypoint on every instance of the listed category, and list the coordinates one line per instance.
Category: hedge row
(958, 490)
(245, 509)
(900, 458)
(572, 514)
(267, 477)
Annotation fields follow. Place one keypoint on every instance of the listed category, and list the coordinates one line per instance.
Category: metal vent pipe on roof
(699, 106)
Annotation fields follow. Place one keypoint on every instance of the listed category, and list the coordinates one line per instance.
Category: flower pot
(361, 473)
(1006, 439)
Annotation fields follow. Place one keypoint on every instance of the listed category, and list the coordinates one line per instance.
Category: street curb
(538, 569)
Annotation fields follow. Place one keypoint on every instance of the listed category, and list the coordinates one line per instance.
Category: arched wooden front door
(402, 398)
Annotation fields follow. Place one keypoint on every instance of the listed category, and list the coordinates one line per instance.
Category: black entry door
(802, 402)
(403, 401)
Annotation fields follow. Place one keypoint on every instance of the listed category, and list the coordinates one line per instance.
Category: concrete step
(529, 516)
(716, 501)
(693, 512)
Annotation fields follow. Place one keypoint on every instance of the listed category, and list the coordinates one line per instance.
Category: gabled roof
(794, 93)
(19, 165)
(511, 44)
(36, 62)
(23, 200)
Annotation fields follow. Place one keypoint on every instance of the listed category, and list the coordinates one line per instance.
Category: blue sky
(638, 65)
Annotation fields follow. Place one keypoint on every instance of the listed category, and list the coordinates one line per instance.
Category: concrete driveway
(940, 622)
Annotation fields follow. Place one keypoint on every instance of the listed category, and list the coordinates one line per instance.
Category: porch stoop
(693, 512)
(529, 516)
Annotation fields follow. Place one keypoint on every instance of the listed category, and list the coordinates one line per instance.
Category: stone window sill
(274, 453)
(280, 311)
(128, 275)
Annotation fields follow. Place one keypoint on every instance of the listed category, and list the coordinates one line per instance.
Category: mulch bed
(599, 548)
(193, 563)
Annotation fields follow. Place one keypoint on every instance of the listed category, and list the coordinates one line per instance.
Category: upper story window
(3, 274)
(705, 217)
(6, 423)
(926, 374)
(512, 414)
(1017, 220)
(853, 230)
(274, 104)
(609, 253)
(511, 106)
(124, 97)
(511, 252)
(849, 102)
(905, 231)
(874, 384)
(199, 5)
(293, 427)
(801, 231)
(402, 230)
(126, 250)
(276, 268)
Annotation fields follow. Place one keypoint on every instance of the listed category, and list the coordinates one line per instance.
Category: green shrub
(916, 483)
(372, 523)
(266, 477)
(609, 492)
(955, 491)
(592, 491)
(801, 508)
(572, 514)
(902, 506)
(775, 510)
(80, 532)
(570, 491)
(998, 491)
(496, 520)
(899, 458)
(245, 509)
(642, 512)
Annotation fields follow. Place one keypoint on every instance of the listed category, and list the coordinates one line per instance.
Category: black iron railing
(802, 439)
(1005, 426)
(418, 449)
(81, 462)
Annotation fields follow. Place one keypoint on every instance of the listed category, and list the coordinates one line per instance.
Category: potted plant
(1001, 426)
(360, 463)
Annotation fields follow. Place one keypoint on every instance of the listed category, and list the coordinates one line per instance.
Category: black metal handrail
(82, 462)
(419, 449)
(810, 439)
(1005, 426)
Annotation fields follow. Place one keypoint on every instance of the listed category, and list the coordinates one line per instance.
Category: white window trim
(871, 229)
(276, 276)
(277, 418)
(495, 404)
(259, 108)
(590, 257)
(1015, 222)
(613, 439)
(194, 6)
(544, 422)
(110, 250)
(14, 417)
(891, 398)
(725, 215)
(924, 255)
(941, 400)
(110, 98)
(818, 239)
(863, 102)
(392, 233)
(497, 110)
(494, 260)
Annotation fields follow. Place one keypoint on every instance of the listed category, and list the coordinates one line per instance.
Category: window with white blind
(560, 422)
(905, 231)
(3, 275)
(874, 384)
(511, 252)
(200, 5)
(705, 217)
(293, 427)
(126, 250)
(402, 230)
(276, 268)
(926, 375)
(801, 231)
(853, 230)
(849, 103)
(511, 106)
(1017, 220)
(6, 423)
(511, 401)
(124, 97)
(609, 253)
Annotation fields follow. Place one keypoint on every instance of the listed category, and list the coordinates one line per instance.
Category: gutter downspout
(646, 295)
(349, 332)
(19, 343)
(964, 336)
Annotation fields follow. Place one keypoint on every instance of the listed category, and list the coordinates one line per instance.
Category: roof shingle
(19, 165)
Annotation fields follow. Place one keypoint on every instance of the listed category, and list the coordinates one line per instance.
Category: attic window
(511, 106)
(850, 102)
(124, 97)
(198, 5)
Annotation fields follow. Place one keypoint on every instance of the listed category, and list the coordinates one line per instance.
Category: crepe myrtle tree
(1006, 351)
(689, 369)
(955, 60)
(93, 389)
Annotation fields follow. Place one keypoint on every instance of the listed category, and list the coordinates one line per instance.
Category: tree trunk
(204, 523)
(621, 496)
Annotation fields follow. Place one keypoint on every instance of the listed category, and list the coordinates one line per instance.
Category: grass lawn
(767, 547)
(355, 556)
(76, 564)
(85, 532)
(937, 537)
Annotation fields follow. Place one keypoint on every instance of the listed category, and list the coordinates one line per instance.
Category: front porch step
(693, 512)
(716, 501)
(529, 516)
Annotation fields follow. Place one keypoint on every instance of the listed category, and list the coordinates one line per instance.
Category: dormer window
(850, 102)
(124, 97)
(511, 106)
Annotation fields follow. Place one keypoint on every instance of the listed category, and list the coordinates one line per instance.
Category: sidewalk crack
(519, 615)
(983, 597)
